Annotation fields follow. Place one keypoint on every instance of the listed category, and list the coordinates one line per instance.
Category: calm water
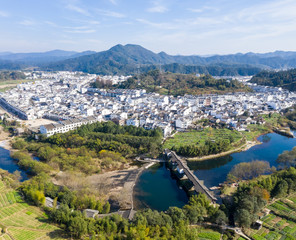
(7, 163)
(215, 171)
(156, 188)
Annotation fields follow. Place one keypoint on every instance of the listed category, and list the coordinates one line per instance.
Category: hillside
(284, 79)
(179, 84)
(38, 58)
(130, 59)
(19, 220)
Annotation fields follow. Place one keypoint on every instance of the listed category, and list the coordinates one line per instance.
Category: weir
(199, 187)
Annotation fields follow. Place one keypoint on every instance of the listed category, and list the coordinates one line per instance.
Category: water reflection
(210, 164)
(7, 163)
(157, 189)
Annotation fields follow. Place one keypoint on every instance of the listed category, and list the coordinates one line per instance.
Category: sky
(187, 27)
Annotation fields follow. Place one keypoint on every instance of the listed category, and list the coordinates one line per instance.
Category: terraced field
(280, 224)
(20, 221)
(209, 235)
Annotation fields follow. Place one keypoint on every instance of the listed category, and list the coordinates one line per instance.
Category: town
(69, 99)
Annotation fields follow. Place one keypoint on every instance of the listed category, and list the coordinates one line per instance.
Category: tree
(106, 207)
(176, 214)
(243, 218)
(249, 170)
(220, 218)
(77, 226)
(281, 189)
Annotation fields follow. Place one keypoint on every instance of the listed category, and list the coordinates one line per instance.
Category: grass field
(199, 137)
(209, 235)
(20, 221)
(17, 81)
(255, 131)
(280, 224)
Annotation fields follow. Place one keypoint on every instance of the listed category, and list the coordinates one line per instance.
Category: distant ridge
(130, 59)
(38, 58)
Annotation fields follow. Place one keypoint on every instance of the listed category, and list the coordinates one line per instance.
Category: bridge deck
(198, 186)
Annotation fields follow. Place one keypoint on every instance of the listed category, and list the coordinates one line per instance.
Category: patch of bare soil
(115, 185)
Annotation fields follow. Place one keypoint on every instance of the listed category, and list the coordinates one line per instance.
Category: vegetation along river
(156, 188)
(8, 164)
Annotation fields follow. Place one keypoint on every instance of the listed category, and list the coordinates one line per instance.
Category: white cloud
(163, 25)
(93, 22)
(27, 22)
(4, 14)
(203, 9)
(108, 13)
(157, 7)
(114, 2)
(78, 9)
(81, 31)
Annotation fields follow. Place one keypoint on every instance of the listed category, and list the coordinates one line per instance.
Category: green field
(199, 137)
(20, 221)
(18, 81)
(255, 131)
(280, 224)
(209, 235)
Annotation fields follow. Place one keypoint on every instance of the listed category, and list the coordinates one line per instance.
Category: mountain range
(130, 59)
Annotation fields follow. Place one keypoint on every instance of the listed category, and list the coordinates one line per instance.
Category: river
(7, 163)
(156, 188)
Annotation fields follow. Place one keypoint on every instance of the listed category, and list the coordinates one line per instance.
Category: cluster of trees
(127, 140)
(180, 84)
(32, 166)
(199, 150)
(212, 69)
(172, 224)
(287, 158)
(285, 79)
(11, 75)
(37, 188)
(89, 149)
(56, 158)
(251, 197)
(289, 117)
(249, 170)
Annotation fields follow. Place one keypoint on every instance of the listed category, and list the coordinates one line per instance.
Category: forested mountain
(4, 64)
(14, 75)
(177, 84)
(40, 58)
(131, 59)
(285, 79)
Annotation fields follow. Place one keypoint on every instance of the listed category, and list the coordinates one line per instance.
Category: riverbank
(5, 139)
(117, 186)
(244, 147)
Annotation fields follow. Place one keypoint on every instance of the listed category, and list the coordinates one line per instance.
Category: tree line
(89, 149)
(147, 224)
(251, 197)
(199, 150)
(177, 84)
(11, 75)
(285, 79)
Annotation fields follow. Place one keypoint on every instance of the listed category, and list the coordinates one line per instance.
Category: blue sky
(175, 26)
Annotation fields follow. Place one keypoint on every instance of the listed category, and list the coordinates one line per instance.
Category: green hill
(284, 79)
(179, 84)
